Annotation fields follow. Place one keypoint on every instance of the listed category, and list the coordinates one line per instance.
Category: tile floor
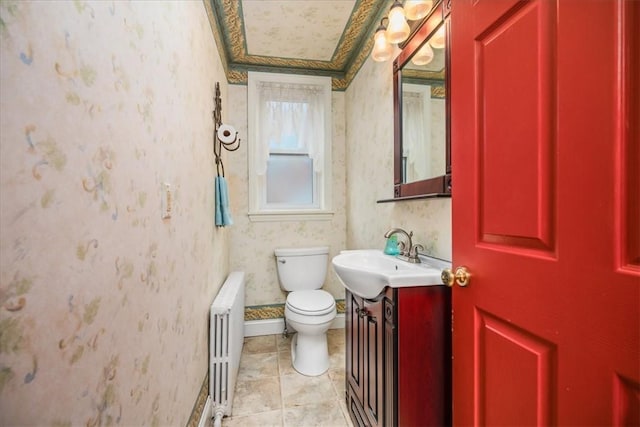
(269, 392)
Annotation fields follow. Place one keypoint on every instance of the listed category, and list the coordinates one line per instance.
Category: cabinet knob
(361, 312)
(461, 277)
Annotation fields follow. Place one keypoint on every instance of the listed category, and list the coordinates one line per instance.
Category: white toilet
(309, 310)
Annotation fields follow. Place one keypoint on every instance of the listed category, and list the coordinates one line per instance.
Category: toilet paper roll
(226, 134)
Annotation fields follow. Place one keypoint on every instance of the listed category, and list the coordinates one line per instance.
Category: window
(289, 147)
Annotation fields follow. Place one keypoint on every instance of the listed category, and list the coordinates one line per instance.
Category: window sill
(290, 216)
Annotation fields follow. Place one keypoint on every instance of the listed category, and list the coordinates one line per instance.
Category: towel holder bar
(217, 143)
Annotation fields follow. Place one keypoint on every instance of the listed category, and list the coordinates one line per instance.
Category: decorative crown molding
(225, 18)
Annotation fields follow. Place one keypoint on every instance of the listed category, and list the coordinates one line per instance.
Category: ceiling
(320, 37)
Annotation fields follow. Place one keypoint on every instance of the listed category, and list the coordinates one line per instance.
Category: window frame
(258, 210)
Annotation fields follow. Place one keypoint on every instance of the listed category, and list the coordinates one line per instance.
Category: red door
(546, 211)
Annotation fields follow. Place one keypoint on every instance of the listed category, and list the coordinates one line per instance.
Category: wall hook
(223, 135)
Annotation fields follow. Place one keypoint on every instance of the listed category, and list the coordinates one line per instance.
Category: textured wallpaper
(362, 174)
(369, 171)
(253, 243)
(103, 304)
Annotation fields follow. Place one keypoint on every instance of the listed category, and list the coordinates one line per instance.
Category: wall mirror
(422, 152)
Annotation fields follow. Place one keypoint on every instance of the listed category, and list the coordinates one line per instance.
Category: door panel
(355, 348)
(504, 353)
(545, 210)
(373, 398)
(628, 183)
(626, 401)
(516, 138)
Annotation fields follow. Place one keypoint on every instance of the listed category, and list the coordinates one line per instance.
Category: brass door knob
(461, 277)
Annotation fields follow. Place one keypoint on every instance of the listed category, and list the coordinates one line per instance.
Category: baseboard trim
(254, 328)
(338, 322)
(200, 410)
(205, 418)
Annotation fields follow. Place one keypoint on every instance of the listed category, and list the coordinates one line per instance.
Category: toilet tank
(302, 268)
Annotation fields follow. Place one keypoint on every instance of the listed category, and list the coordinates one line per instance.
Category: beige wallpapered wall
(253, 243)
(103, 304)
(369, 171)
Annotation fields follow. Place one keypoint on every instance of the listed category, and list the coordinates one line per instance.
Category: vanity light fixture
(438, 40)
(417, 9)
(382, 49)
(423, 56)
(397, 29)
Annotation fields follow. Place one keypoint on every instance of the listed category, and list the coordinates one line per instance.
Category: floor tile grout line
(282, 421)
(333, 373)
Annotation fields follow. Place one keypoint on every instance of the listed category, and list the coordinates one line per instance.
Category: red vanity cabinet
(398, 357)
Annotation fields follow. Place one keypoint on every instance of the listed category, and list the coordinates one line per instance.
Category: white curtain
(415, 133)
(290, 113)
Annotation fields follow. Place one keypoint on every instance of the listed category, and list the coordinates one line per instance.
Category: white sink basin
(367, 272)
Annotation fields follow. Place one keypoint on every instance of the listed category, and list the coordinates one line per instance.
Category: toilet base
(310, 354)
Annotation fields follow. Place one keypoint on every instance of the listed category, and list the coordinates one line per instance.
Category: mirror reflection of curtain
(416, 132)
(438, 136)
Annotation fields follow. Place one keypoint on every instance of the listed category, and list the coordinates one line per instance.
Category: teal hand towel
(223, 215)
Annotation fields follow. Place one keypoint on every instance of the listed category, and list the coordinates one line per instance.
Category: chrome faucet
(408, 251)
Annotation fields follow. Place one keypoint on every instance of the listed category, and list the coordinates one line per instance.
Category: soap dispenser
(391, 248)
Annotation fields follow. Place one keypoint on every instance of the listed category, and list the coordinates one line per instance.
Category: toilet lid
(313, 303)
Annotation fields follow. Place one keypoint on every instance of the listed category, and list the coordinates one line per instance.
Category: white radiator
(225, 343)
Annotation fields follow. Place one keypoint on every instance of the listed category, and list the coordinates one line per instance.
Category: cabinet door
(391, 378)
(374, 361)
(354, 325)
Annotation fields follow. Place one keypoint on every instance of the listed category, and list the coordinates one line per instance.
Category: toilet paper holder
(224, 135)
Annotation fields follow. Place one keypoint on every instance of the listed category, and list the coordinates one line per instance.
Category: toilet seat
(311, 302)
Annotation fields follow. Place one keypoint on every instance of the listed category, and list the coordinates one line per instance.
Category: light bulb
(417, 9)
(423, 56)
(398, 29)
(381, 48)
(438, 40)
